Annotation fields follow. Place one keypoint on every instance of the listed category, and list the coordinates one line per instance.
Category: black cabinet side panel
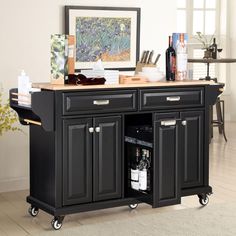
(42, 165)
(77, 161)
(107, 158)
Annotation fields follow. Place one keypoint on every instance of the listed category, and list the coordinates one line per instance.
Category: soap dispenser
(23, 89)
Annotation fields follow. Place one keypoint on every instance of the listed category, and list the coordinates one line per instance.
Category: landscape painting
(103, 38)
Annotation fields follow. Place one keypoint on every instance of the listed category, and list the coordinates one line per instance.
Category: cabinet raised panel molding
(166, 186)
(192, 148)
(77, 161)
(92, 160)
(107, 158)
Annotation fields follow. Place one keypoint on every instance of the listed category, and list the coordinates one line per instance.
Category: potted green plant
(7, 117)
(206, 44)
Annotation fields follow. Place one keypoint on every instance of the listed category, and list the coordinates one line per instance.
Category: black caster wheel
(33, 211)
(203, 200)
(133, 206)
(57, 223)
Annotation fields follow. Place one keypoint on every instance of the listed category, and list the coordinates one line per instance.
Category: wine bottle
(170, 61)
(182, 58)
(143, 171)
(214, 49)
(135, 170)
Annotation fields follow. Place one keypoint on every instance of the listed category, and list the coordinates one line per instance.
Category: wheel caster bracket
(33, 211)
(133, 206)
(203, 199)
(57, 222)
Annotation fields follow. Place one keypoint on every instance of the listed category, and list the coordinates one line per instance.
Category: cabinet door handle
(97, 129)
(184, 122)
(173, 99)
(101, 102)
(168, 122)
(91, 130)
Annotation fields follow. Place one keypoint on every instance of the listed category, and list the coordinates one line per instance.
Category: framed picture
(107, 33)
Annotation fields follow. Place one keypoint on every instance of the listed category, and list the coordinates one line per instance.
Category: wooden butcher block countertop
(48, 86)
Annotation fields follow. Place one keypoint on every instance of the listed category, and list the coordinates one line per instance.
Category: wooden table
(220, 117)
(208, 61)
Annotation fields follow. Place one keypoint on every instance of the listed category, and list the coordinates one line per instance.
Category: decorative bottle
(182, 58)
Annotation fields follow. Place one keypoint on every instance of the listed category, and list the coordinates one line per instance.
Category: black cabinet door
(77, 161)
(107, 158)
(166, 169)
(192, 152)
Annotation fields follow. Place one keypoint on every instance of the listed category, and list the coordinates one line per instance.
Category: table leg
(219, 115)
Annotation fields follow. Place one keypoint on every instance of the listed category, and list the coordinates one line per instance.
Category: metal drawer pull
(168, 122)
(173, 99)
(184, 122)
(91, 130)
(101, 102)
(97, 129)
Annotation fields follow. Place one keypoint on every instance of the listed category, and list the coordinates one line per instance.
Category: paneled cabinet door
(77, 161)
(166, 169)
(192, 152)
(107, 158)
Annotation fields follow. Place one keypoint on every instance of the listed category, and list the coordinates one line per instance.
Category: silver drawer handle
(173, 99)
(101, 102)
(168, 122)
(184, 122)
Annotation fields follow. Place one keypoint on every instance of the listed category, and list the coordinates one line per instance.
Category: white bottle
(143, 172)
(23, 89)
(135, 171)
(134, 174)
(134, 179)
(182, 58)
(143, 179)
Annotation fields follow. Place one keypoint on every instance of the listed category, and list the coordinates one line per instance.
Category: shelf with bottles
(139, 170)
(138, 154)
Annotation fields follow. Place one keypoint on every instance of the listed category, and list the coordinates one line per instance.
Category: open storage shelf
(138, 136)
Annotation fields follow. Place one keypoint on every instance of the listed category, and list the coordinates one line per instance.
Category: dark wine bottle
(170, 61)
(214, 49)
(148, 170)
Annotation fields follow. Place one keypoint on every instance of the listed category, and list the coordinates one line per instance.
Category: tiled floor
(14, 219)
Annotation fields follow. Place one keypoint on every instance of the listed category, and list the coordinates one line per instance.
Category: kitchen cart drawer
(99, 102)
(166, 98)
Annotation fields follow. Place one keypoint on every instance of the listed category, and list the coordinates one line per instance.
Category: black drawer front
(99, 102)
(166, 98)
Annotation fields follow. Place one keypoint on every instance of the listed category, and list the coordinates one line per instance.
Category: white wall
(26, 26)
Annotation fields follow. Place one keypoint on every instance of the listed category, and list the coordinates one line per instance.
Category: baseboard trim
(14, 184)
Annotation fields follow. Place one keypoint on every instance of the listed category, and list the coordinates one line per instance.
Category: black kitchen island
(81, 144)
